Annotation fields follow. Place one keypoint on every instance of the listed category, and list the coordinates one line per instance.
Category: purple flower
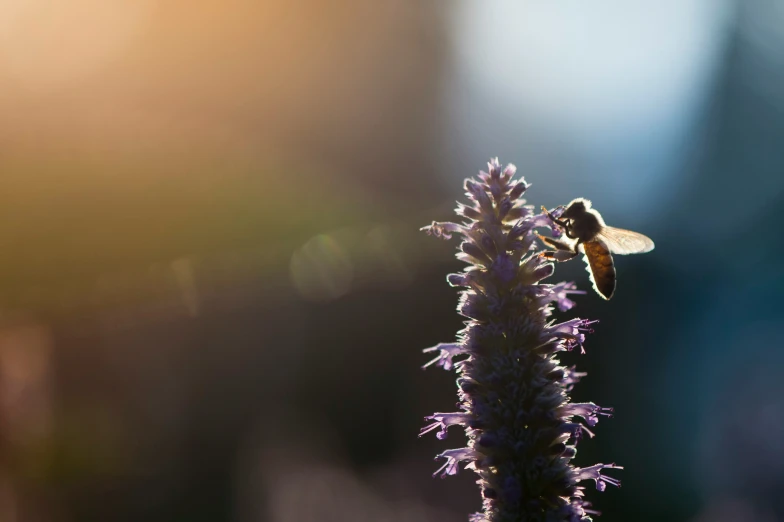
(512, 388)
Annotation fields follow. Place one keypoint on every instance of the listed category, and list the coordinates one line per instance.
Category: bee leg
(558, 245)
(563, 251)
(558, 255)
(563, 224)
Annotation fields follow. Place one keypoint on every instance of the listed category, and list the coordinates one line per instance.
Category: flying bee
(585, 225)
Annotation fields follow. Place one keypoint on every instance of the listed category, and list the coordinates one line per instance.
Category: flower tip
(429, 228)
(443, 230)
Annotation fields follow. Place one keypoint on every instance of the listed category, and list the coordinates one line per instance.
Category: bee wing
(620, 241)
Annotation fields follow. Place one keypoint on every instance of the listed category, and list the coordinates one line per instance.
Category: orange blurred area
(167, 168)
(141, 132)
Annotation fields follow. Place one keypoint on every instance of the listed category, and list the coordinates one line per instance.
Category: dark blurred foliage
(214, 294)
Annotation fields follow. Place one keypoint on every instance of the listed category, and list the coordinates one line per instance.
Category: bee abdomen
(600, 266)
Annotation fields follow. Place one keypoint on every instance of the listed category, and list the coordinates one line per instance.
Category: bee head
(576, 208)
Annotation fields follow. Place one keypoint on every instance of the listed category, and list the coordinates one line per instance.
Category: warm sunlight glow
(46, 44)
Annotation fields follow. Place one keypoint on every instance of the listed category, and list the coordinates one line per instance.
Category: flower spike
(513, 391)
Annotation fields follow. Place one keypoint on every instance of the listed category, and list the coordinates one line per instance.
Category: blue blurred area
(670, 119)
(602, 99)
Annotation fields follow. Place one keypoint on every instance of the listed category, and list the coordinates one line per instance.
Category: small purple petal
(489, 245)
(515, 213)
(477, 192)
(519, 188)
(555, 227)
(559, 293)
(504, 208)
(540, 221)
(468, 212)
(543, 272)
(457, 280)
(447, 352)
(453, 458)
(509, 171)
(494, 168)
(571, 332)
(443, 230)
(474, 251)
(587, 410)
(504, 268)
(594, 473)
(558, 211)
(443, 421)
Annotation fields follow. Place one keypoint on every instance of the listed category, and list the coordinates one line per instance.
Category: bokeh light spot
(321, 270)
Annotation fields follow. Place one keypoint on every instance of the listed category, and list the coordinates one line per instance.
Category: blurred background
(214, 294)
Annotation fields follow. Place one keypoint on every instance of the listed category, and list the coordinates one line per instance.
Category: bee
(585, 225)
